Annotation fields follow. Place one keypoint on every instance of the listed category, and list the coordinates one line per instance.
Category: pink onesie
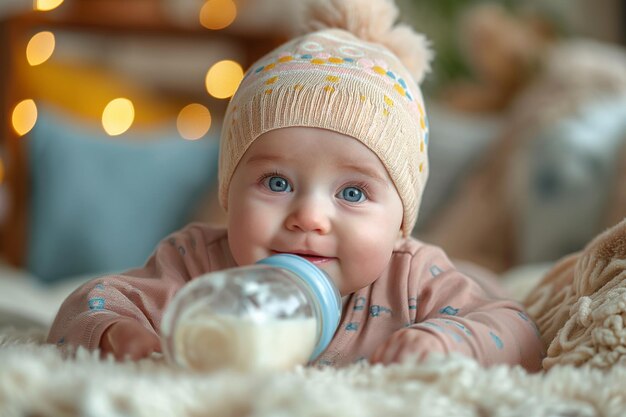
(420, 289)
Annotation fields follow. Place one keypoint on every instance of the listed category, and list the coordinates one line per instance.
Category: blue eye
(278, 184)
(352, 195)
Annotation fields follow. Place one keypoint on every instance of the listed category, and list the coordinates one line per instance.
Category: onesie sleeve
(139, 294)
(457, 314)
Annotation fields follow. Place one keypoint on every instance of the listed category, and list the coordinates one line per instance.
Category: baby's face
(318, 194)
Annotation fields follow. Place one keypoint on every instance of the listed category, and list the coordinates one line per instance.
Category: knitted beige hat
(343, 77)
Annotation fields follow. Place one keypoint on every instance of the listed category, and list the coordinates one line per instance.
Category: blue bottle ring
(323, 288)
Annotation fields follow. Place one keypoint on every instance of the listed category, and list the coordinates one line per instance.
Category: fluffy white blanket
(36, 380)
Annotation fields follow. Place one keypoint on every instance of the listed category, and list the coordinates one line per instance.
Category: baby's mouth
(313, 258)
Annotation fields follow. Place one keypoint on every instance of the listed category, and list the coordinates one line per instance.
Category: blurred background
(111, 111)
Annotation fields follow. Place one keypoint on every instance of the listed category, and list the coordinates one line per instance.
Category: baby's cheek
(371, 256)
(256, 233)
(240, 238)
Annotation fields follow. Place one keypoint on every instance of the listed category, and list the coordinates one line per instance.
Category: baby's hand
(128, 339)
(406, 343)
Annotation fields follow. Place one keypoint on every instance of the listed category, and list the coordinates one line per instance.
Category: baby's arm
(455, 314)
(121, 314)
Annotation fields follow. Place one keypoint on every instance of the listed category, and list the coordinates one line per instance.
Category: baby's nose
(309, 215)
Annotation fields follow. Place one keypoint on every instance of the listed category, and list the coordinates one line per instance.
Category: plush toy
(502, 51)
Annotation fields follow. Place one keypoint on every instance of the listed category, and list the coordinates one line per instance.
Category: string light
(223, 78)
(47, 5)
(218, 14)
(118, 116)
(193, 121)
(24, 116)
(40, 48)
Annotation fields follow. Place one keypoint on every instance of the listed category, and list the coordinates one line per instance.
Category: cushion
(101, 203)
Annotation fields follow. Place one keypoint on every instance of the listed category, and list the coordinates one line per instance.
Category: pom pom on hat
(366, 19)
(373, 21)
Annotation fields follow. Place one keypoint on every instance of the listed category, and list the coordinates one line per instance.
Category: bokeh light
(46, 5)
(1, 171)
(223, 78)
(40, 48)
(118, 116)
(24, 116)
(218, 14)
(193, 121)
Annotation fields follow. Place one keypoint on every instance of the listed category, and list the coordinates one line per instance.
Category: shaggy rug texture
(36, 380)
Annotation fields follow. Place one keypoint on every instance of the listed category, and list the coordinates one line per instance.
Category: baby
(324, 155)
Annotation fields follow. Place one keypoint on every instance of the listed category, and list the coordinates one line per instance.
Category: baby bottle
(280, 312)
